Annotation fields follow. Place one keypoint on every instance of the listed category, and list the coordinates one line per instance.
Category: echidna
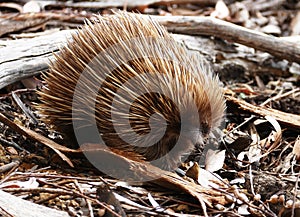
(124, 81)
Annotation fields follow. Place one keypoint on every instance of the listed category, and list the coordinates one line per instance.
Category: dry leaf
(295, 24)
(239, 12)
(275, 137)
(31, 183)
(296, 149)
(221, 10)
(32, 7)
(208, 180)
(193, 171)
(12, 150)
(243, 210)
(271, 29)
(214, 160)
(254, 153)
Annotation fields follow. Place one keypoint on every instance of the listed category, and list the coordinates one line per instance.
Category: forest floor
(250, 168)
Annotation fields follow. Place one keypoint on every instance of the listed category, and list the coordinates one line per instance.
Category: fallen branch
(195, 25)
(121, 4)
(283, 117)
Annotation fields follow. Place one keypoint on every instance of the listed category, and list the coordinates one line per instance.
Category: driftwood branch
(193, 25)
(122, 4)
(24, 58)
(13, 206)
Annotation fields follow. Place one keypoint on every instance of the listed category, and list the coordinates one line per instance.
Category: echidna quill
(126, 77)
